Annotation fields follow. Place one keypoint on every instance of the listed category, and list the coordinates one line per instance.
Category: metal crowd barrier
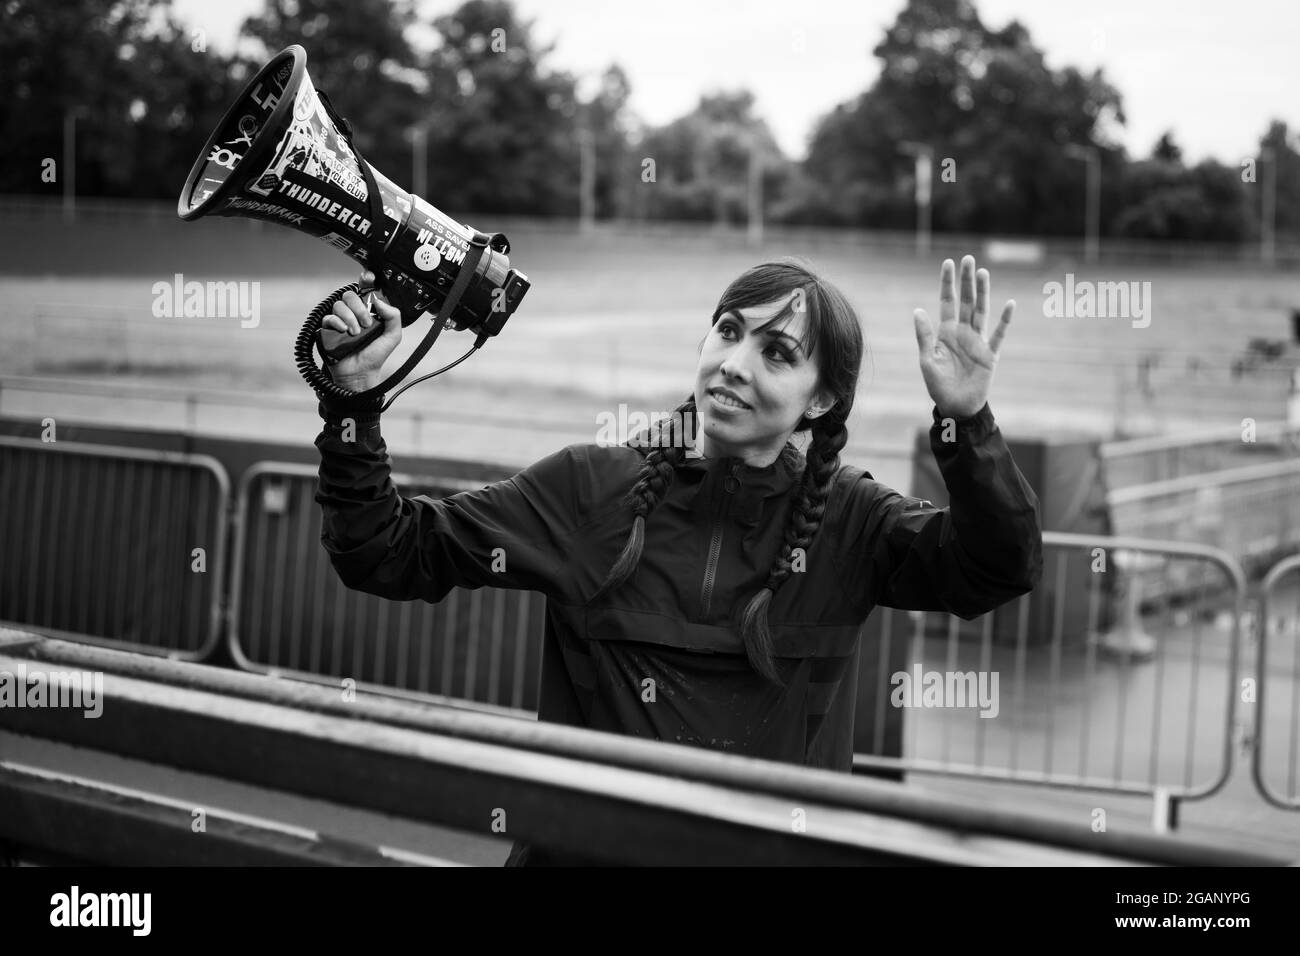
(1252, 513)
(1119, 681)
(608, 797)
(119, 546)
(1087, 698)
(1094, 690)
(289, 612)
(1141, 461)
(1274, 710)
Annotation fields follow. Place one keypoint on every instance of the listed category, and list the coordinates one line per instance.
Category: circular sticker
(427, 258)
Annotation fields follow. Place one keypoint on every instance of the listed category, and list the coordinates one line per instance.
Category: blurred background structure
(1161, 426)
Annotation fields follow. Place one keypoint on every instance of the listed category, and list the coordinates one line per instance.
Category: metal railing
(1277, 715)
(604, 796)
(1253, 512)
(1117, 677)
(1055, 649)
(1093, 693)
(1142, 461)
(217, 411)
(120, 546)
(289, 612)
(211, 411)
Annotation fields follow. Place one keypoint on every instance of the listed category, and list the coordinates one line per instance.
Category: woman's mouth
(726, 401)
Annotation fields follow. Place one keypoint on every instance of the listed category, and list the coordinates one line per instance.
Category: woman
(735, 574)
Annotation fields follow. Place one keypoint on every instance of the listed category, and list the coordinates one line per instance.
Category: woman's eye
(727, 331)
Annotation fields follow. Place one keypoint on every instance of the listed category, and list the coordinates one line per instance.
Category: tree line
(505, 130)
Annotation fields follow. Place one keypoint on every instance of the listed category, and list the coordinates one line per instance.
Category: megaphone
(282, 154)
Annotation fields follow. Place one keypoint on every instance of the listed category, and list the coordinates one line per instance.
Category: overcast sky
(1213, 72)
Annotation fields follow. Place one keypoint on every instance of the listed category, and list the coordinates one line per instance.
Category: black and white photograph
(687, 433)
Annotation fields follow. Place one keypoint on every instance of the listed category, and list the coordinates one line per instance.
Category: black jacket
(709, 546)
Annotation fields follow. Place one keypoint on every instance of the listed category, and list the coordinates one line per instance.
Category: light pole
(924, 155)
(586, 180)
(419, 158)
(1092, 226)
(755, 192)
(1268, 211)
(70, 115)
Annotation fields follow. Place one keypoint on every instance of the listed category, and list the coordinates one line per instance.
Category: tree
(358, 54)
(144, 100)
(1163, 199)
(984, 99)
(702, 160)
(1166, 150)
(502, 133)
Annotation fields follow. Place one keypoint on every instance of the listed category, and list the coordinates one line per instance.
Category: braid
(829, 436)
(657, 472)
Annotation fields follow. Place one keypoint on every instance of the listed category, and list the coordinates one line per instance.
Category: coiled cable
(316, 376)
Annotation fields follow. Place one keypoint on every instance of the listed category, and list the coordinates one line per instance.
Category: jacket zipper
(729, 486)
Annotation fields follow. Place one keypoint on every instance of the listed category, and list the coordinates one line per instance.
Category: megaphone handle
(311, 330)
(336, 346)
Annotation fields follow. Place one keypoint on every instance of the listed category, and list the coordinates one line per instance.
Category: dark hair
(833, 337)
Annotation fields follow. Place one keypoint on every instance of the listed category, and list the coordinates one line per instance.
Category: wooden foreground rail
(620, 799)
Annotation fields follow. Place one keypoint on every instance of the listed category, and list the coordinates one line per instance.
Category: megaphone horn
(282, 154)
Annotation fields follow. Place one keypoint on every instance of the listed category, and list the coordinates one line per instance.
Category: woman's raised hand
(956, 362)
(360, 370)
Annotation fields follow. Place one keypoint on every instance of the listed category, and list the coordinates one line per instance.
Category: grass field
(616, 319)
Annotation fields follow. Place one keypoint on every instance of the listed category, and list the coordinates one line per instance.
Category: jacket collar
(705, 482)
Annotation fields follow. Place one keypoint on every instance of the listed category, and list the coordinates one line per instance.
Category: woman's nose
(733, 368)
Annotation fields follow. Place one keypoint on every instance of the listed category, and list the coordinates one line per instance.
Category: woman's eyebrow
(794, 343)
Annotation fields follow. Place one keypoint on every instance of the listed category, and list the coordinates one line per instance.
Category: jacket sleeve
(983, 550)
(509, 534)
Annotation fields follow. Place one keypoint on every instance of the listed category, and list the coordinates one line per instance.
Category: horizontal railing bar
(180, 396)
(570, 785)
(864, 763)
(1192, 439)
(90, 821)
(1189, 549)
(163, 456)
(382, 690)
(611, 812)
(1199, 482)
(287, 469)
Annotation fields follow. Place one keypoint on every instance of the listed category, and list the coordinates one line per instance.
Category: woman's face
(771, 381)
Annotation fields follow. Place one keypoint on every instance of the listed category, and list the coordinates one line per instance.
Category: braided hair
(831, 320)
(668, 448)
